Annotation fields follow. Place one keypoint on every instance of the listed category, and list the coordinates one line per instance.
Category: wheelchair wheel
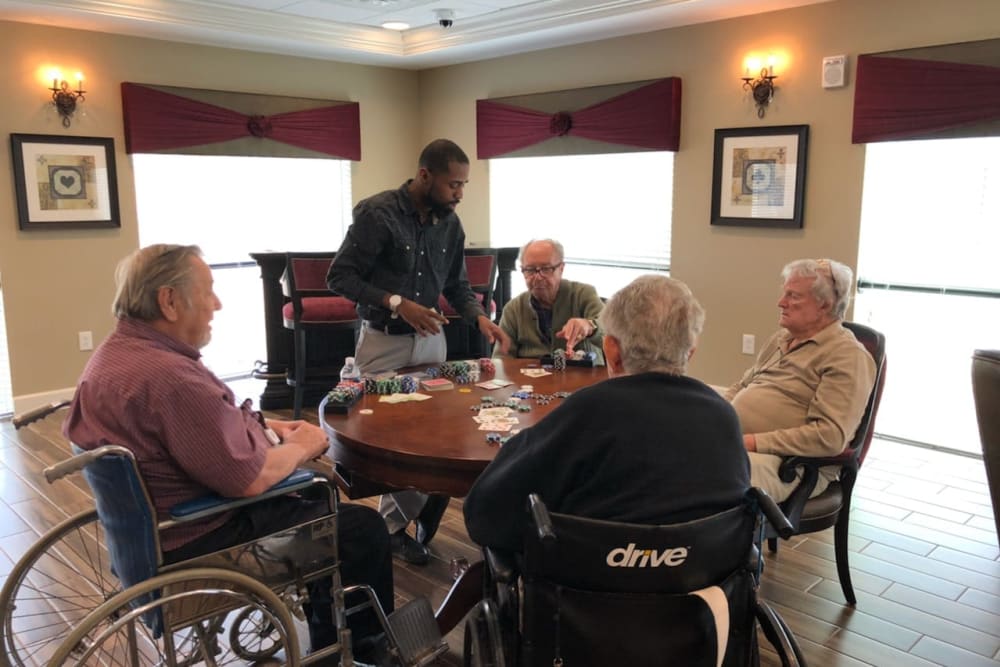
(253, 635)
(208, 600)
(483, 646)
(60, 579)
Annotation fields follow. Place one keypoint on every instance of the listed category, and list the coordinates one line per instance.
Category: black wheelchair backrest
(600, 555)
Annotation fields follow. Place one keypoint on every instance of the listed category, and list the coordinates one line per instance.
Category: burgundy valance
(159, 121)
(900, 98)
(648, 117)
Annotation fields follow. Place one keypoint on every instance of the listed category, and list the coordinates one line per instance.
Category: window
(929, 279)
(612, 212)
(232, 206)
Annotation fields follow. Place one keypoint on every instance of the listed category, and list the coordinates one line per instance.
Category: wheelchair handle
(80, 461)
(543, 522)
(30, 416)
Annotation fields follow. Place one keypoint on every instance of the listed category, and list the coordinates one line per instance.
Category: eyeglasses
(530, 271)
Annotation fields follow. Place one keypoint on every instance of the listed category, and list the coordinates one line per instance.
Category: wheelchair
(592, 592)
(94, 590)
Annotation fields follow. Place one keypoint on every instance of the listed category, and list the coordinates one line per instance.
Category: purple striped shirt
(150, 393)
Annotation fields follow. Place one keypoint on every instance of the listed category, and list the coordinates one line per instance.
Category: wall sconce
(64, 99)
(762, 87)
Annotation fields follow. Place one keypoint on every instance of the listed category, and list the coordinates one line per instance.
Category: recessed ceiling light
(396, 25)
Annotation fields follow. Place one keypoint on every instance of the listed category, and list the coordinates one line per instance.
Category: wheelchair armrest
(199, 508)
(502, 565)
(789, 464)
(775, 517)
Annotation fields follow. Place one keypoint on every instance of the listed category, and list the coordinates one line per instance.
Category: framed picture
(64, 182)
(759, 176)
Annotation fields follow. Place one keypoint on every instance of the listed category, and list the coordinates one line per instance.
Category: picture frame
(759, 176)
(64, 182)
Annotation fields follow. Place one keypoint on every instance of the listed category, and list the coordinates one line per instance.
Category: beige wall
(56, 283)
(734, 271)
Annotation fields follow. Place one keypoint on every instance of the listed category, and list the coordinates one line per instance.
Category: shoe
(430, 517)
(405, 547)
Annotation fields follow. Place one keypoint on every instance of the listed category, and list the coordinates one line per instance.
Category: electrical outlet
(86, 340)
(749, 343)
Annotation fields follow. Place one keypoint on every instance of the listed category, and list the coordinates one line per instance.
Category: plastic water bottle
(350, 372)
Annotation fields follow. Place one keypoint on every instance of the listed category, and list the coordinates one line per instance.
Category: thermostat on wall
(834, 68)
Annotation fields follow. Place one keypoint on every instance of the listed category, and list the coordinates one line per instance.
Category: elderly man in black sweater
(648, 445)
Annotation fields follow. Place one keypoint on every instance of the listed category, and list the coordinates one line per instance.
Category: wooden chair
(481, 268)
(833, 506)
(986, 390)
(313, 312)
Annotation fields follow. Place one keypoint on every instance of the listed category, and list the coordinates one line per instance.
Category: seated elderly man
(553, 313)
(647, 445)
(807, 391)
(146, 388)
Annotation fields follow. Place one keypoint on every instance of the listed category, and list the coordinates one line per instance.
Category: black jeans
(362, 540)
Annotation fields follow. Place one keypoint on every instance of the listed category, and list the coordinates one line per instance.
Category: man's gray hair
(142, 273)
(833, 285)
(556, 246)
(656, 321)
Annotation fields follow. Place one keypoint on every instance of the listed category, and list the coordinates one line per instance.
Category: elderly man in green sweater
(554, 313)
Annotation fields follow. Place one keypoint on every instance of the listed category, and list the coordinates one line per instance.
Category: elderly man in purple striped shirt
(146, 388)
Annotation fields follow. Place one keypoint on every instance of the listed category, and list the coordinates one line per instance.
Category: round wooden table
(434, 445)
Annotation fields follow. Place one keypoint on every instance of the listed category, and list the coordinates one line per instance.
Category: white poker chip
(366, 411)
(527, 387)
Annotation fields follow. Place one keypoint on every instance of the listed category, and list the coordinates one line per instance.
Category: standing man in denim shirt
(405, 248)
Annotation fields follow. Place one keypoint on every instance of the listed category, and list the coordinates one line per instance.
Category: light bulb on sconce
(761, 85)
(64, 99)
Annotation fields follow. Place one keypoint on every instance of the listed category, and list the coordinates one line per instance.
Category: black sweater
(649, 448)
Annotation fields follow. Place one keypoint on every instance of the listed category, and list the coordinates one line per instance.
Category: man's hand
(426, 321)
(309, 437)
(494, 334)
(576, 330)
(750, 442)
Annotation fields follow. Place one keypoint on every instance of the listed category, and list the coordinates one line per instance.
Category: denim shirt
(388, 251)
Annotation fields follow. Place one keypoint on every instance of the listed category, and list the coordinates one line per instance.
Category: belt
(395, 328)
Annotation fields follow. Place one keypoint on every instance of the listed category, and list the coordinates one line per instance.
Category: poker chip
(366, 411)
(464, 390)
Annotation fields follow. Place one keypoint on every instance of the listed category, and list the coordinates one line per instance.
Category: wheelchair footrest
(417, 634)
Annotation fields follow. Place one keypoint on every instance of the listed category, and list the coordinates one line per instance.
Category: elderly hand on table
(576, 330)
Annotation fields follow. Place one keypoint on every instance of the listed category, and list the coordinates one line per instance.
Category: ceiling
(350, 30)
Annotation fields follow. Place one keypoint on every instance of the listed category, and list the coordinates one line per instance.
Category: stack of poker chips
(346, 392)
(460, 372)
(559, 360)
(400, 384)
(486, 365)
(580, 355)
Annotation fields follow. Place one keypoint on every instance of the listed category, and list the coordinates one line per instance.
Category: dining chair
(481, 268)
(833, 506)
(312, 313)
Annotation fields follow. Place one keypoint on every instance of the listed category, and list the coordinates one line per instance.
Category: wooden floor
(924, 557)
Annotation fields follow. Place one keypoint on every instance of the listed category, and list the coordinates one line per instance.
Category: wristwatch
(394, 303)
